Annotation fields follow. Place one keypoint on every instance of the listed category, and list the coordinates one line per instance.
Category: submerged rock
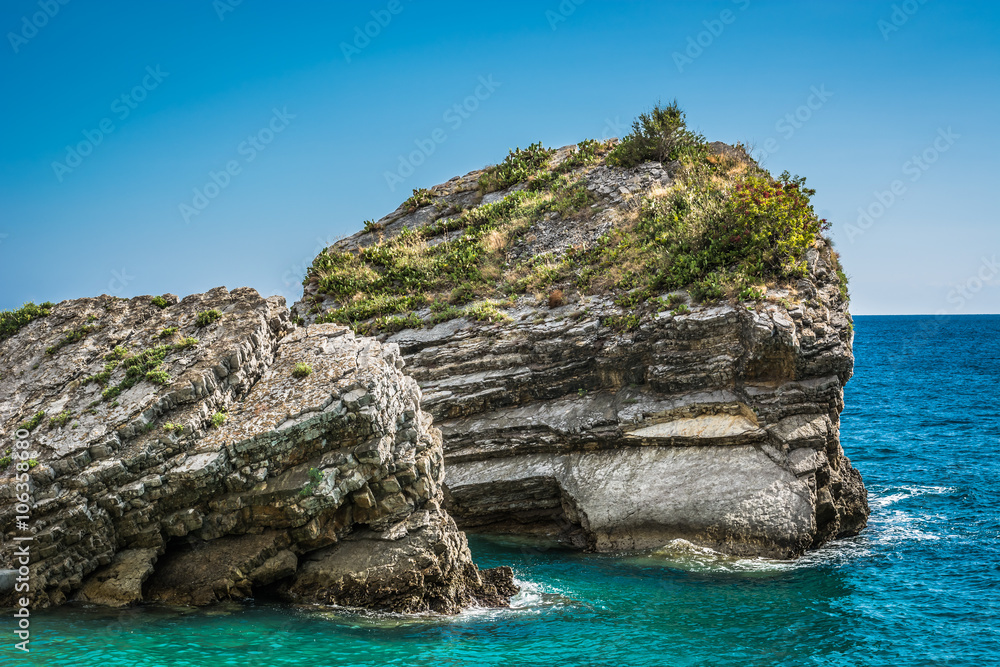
(204, 450)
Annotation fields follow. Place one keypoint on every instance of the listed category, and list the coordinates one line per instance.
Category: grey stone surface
(143, 497)
(734, 499)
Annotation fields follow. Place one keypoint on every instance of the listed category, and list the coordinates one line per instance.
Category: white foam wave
(906, 492)
(531, 595)
(898, 527)
(534, 595)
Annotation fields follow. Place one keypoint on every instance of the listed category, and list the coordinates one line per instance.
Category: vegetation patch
(71, 336)
(60, 419)
(32, 422)
(301, 370)
(587, 152)
(723, 229)
(168, 332)
(185, 343)
(315, 477)
(420, 197)
(218, 419)
(722, 232)
(6, 461)
(144, 365)
(158, 377)
(628, 322)
(160, 302)
(206, 317)
(660, 135)
(113, 358)
(8, 458)
(380, 287)
(518, 166)
(11, 321)
(486, 311)
(842, 277)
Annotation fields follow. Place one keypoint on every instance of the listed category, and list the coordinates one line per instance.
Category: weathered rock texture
(323, 488)
(718, 426)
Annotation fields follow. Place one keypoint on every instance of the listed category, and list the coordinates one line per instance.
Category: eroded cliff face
(719, 425)
(187, 462)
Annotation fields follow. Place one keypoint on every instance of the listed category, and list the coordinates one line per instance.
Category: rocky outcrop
(719, 426)
(716, 423)
(204, 450)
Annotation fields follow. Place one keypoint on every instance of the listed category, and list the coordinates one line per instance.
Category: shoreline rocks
(224, 471)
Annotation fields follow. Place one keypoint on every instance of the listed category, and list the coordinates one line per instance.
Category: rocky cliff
(615, 354)
(204, 450)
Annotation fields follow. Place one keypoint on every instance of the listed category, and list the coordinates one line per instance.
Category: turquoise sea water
(921, 586)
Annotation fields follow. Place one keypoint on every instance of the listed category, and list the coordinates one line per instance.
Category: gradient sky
(895, 81)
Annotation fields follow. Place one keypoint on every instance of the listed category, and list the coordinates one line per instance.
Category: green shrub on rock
(158, 377)
(660, 135)
(420, 197)
(60, 419)
(519, 165)
(11, 321)
(206, 317)
(31, 423)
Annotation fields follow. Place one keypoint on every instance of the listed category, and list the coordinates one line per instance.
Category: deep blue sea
(921, 586)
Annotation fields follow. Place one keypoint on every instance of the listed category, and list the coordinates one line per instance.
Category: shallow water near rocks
(920, 586)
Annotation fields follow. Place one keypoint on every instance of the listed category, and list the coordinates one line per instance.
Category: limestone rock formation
(716, 422)
(206, 450)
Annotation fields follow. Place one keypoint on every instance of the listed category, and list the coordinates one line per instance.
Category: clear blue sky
(200, 77)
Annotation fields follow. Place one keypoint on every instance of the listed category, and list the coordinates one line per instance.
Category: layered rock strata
(205, 450)
(717, 423)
